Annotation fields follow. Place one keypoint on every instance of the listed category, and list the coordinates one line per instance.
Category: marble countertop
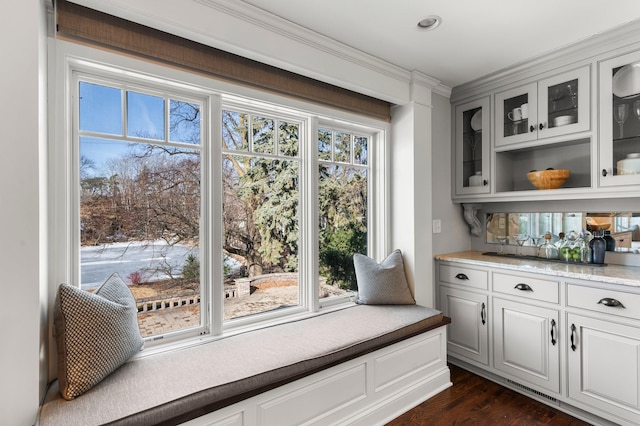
(612, 274)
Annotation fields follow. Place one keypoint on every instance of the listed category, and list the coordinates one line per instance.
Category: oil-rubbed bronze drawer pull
(613, 303)
(462, 277)
(523, 287)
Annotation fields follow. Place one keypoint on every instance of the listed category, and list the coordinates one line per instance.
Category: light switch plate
(437, 226)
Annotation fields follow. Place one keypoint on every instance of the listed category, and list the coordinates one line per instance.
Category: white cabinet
(468, 335)
(526, 334)
(554, 106)
(604, 351)
(472, 121)
(526, 344)
(463, 298)
(604, 367)
(619, 119)
(553, 337)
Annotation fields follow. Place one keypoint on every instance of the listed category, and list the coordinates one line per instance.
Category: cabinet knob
(485, 182)
(541, 126)
(532, 128)
(613, 303)
(553, 329)
(483, 314)
(604, 172)
(462, 277)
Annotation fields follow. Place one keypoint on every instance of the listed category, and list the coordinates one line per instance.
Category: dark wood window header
(81, 24)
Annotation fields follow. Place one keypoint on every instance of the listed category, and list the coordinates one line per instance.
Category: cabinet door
(563, 103)
(467, 333)
(516, 115)
(604, 366)
(619, 120)
(526, 344)
(472, 147)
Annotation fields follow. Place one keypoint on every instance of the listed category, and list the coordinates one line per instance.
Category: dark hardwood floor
(473, 400)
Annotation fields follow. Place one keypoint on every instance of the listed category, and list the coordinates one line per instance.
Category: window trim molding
(67, 57)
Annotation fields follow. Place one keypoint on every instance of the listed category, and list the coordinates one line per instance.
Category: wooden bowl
(548, 179)
(599, 227)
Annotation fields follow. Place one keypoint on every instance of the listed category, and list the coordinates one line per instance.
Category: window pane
(360, 154)
(263, 135)
(289, 138)
(261, 235)
(139, 217)
(184, 122)
(145, 116)
(343, 226)
(343, 147)
(234, 131)
(100, 109)
(324, 144)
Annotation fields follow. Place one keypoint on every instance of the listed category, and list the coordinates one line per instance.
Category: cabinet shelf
(512, 166)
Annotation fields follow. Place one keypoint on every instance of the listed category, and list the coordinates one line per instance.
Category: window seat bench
(359, 365)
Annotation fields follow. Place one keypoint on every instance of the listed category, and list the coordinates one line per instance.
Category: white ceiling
(476, 37)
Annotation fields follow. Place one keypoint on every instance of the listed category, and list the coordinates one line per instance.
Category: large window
(216, 211)
(139, 170)
(261, 205)
(342, 206)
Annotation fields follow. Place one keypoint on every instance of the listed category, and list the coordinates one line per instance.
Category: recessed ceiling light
(431, 22)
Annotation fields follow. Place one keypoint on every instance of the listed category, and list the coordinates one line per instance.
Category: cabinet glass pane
(626, 119)
(562, 104)
(472, 147)
(516, 115)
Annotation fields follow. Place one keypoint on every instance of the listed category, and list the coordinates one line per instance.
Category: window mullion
(310, 215)
(215, 236)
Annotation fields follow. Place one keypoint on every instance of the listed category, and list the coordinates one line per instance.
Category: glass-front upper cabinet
(517, 115)
(620, 120)
(553, 106)
(472, 147)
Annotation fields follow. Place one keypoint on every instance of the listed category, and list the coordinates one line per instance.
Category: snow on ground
(154, 260)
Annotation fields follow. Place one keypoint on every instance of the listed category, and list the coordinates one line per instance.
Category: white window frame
(64, 262)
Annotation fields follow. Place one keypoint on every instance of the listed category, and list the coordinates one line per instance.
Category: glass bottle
(611, 242)
(548, 250)
(585, 251)
(598, 247)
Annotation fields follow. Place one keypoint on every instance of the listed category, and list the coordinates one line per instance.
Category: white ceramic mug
(524, 111)
(516, 114)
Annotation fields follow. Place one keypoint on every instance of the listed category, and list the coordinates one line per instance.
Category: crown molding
(583, 50)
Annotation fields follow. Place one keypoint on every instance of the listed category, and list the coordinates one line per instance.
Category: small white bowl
(630, 165)
(563, 120)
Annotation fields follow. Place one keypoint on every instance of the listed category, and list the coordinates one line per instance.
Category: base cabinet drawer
(527, 287)
(604, 367)
(603, 300)
(467, 277)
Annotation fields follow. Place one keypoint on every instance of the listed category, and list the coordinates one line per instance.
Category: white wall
(23, 204)
(411, 195)
(455, 235)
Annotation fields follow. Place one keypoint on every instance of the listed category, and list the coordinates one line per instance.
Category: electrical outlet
(437, 226)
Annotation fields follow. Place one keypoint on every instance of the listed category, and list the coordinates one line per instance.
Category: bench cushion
(175, 386)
